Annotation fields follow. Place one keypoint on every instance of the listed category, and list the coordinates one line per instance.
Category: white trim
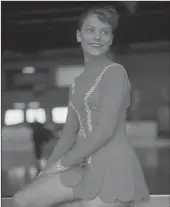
(87, 95)
(81, 131)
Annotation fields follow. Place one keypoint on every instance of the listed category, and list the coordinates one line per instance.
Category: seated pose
(93, 163)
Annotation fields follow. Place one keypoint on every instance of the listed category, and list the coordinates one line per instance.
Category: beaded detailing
(60, 167)
(81, 131)
(87, 95)
(57, 168)
(87, 108)
(73, 86)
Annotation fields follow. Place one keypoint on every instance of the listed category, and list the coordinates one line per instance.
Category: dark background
(53, 25)
(43, 35)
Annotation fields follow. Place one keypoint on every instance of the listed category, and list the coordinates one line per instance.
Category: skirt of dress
(114, 174)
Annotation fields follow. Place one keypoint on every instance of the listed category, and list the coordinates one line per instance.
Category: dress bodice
(85, 99)
(100, 97)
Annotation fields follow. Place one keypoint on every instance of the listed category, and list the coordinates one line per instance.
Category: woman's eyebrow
(90, 26)
(107, 27)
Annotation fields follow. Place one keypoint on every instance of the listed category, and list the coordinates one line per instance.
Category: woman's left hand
(53, 169)
(68, 162)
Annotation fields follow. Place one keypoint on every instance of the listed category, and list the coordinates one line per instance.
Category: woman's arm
(113, 85)
(67, 138)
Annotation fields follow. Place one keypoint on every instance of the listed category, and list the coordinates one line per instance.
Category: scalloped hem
(118, 200)
(137, 199)
(98, 202)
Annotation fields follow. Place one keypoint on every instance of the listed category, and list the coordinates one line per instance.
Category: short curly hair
(106, 14)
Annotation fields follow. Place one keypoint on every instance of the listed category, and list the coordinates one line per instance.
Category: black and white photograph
(85, 103)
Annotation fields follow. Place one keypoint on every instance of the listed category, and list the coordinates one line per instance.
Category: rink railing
(156, 201)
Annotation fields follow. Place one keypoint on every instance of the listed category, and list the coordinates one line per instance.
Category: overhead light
(14, 116)
(59, 114)
(28, 69)
(19, 105)
(36, 115)
(33, 105)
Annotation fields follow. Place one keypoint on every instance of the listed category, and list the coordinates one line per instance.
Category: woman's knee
(42, 197)
(17, 200)
(25, 198)
(43, 192)
(20, 200)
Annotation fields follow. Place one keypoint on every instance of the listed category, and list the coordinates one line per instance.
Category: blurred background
(40, 58)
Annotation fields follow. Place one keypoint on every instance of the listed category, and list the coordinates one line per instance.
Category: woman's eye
(89, 30)
(105, 32)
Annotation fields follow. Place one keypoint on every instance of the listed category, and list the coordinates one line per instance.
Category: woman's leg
(44, 192)
(97, 202)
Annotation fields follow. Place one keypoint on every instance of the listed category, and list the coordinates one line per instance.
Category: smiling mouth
(95, 45)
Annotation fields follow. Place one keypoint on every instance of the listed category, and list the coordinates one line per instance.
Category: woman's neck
(88, 59)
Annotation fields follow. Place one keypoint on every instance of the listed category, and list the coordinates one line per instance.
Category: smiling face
(95, 36)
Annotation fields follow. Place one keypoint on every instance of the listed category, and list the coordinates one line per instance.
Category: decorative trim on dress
(73, 86)
(81, 131)
(87, 95)
(87, 108)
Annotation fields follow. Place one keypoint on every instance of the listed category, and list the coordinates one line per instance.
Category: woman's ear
(78, 36)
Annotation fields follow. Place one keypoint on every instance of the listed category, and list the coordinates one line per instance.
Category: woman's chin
(95, 53)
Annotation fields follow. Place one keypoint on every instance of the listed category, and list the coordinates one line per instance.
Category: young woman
(93, 161)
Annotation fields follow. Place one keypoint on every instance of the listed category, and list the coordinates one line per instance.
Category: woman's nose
(97, 36)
